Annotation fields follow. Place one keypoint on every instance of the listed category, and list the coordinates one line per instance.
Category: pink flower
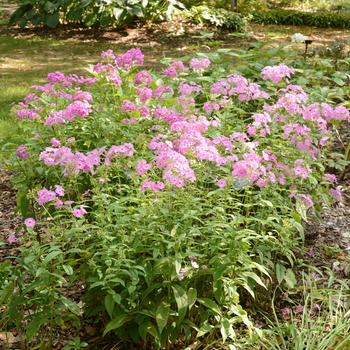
(79, 212)
(30, 222)
(200, 63)
(277, 73)
(142, 167)
(336, 193)
(54, 142)
(126, 149)
(12, 238)
(221, 183)
(330, 178)
(153, 186)
(143, 77)
(174, 69)
(22, 153)
(59, 190)
(46, 196)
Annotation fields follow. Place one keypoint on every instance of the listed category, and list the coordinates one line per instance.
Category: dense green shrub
(170, 197)
(216, 17)
(290, 17)
(91, 12)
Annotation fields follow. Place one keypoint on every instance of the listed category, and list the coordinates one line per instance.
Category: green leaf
(117, 12)
(290, 278)
(226, 329)
(181, 301)
(162, 315)
(210, 304)
(52, 20)
(68, 270)
(191, 297)
(52, 256)
(109, 304)
(71, 306)
(22, 203)
(280, 272)
(205, 328)
(116, 323)
(35, 324)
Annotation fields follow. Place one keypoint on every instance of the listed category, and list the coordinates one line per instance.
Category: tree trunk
(234, 5)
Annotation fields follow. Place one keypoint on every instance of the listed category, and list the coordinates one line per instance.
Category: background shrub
(91, 12)
(291, 17)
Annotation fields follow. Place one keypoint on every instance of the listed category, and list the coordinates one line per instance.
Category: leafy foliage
(91, 12)
(161, 204)
(216, 17)
(321, 19)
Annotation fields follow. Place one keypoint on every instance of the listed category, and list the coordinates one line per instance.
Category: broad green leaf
(210, 304)
(52, 255)
(52, 20)
(162, 315)
(191, 297)
(34, 325)
(71, 305)
(290, 278)
(181, 301)
(109, 304)
(68, 270)
(116, 323)
(280, 272)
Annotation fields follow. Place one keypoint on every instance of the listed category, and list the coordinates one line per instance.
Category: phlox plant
(171, 194)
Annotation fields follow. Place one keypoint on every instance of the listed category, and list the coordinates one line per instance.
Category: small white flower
(298, 38)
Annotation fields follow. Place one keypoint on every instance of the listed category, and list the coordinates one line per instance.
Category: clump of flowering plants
(178, 190)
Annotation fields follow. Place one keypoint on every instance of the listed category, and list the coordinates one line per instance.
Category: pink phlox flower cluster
(24, 113)
(143, 78)
(330, 178)
(189, 88)
(144, 94)
(238, 85)
(221, 183)
(175, 166)
(126, 150)
(153, 186)
(46, 196)
(54, 142)
(129, 59)
(306, 199)
(79, 109)
(79, 212)
(47, 88)
(239, 136)
(108, 55)
(200, 63)
(161, 90)
(210, 106)
(174, 69)
(31, 98)
(142, 167)
(56, 117)
(300, 170)
(82, 96)
(336, 194)
(22, 152)
(170, 116)
(277, 73)
(114, 77)
(30, 223)
(72, 162)
(129, 106)
(65, 81)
